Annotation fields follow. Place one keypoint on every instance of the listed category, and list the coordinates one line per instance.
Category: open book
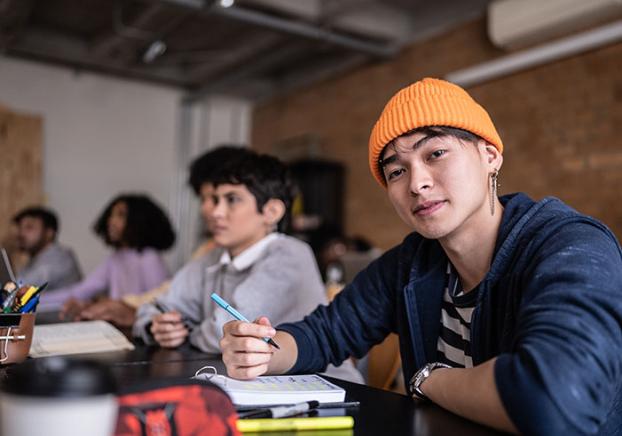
(77, 337)
(282, 389)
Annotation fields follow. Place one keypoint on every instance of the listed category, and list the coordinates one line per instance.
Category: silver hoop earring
(494, 184)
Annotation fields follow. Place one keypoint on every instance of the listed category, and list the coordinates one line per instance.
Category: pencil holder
(16, 331)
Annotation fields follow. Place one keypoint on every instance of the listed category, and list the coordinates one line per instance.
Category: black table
(380, 412)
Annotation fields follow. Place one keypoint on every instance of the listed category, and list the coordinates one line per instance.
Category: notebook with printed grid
(282, 389)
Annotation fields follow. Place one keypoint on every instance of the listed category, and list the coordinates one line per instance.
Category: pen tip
(274, 344)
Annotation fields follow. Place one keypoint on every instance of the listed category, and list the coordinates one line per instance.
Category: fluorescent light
(155, 50)
(226, 3)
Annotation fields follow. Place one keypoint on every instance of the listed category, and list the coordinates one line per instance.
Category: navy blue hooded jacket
(550, 310)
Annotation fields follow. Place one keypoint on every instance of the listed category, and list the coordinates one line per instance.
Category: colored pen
(282, 411)
(243, 409)
(32, 303)
(237, 315)
(160, 307)
(163, 309)
(295, 424)
(32, 291)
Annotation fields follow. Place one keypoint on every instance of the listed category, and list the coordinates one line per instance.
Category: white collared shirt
(276, 277)
(249, 256)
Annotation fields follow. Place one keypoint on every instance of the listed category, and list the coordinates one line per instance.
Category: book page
(77, 337)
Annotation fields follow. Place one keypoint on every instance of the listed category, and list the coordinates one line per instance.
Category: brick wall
(561, 125)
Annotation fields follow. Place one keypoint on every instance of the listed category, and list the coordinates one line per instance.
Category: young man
(255, 268)
(509, 311)
(37, 229)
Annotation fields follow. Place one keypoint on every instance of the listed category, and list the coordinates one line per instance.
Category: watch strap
(420, 376)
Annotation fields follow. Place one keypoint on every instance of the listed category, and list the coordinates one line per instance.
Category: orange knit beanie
(428, 102)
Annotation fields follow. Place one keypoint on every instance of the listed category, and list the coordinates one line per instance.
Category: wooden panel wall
(21, 171)
(560, 124)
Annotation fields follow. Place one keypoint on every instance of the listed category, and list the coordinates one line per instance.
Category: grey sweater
(55, 265)
(282, 282)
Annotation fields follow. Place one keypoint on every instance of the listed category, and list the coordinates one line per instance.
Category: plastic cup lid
(59, 377)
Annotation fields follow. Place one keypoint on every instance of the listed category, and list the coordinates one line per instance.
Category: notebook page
(278, 389)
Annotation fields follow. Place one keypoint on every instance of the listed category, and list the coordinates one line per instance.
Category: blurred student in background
(48, 261)
(203, 169)
(136, 229)
(256, 267)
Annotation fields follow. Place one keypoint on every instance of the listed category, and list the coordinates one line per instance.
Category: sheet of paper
(77, 337)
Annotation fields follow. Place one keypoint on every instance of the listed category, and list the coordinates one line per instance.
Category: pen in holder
(16, 331)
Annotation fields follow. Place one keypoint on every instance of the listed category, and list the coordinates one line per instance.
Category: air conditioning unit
(518, 23)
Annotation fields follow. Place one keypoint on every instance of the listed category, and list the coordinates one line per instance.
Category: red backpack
(176, 408)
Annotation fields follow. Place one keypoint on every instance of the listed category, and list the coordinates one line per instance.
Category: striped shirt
(454, 342)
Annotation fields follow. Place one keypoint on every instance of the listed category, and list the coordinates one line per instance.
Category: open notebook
(282, 389)
(77, 338)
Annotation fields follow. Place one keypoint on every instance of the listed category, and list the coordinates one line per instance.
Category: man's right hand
(244, 352)
(168, 329)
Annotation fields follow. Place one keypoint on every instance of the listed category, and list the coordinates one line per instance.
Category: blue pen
(30, 305)
(237, 315)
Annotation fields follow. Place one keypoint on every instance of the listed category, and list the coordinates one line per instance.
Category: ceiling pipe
(305, 30)
(536, 56)
(289, 26)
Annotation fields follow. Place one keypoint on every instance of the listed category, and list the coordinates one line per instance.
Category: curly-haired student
(137, 230)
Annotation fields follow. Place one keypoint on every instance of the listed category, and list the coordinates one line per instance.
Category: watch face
(423, 373)
(416, 381)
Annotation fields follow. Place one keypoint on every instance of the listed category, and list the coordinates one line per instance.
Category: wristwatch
(420, 376)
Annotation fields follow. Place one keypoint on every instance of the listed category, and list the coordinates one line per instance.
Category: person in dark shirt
(509, 311)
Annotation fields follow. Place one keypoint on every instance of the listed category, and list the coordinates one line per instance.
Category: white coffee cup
(58, 397)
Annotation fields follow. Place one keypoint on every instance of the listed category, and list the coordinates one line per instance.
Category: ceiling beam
(298, 28)
(374, 20)
(261, 64)
(243, 53)
(317, 72)
(50, 46)
(106, 43)
(309, 31)
(309, 10)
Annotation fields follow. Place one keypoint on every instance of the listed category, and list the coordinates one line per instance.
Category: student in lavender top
(122, 312)
(49, 262)
(509, 310)
(137, 230)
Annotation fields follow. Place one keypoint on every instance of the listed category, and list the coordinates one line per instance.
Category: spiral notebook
(282, 389)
